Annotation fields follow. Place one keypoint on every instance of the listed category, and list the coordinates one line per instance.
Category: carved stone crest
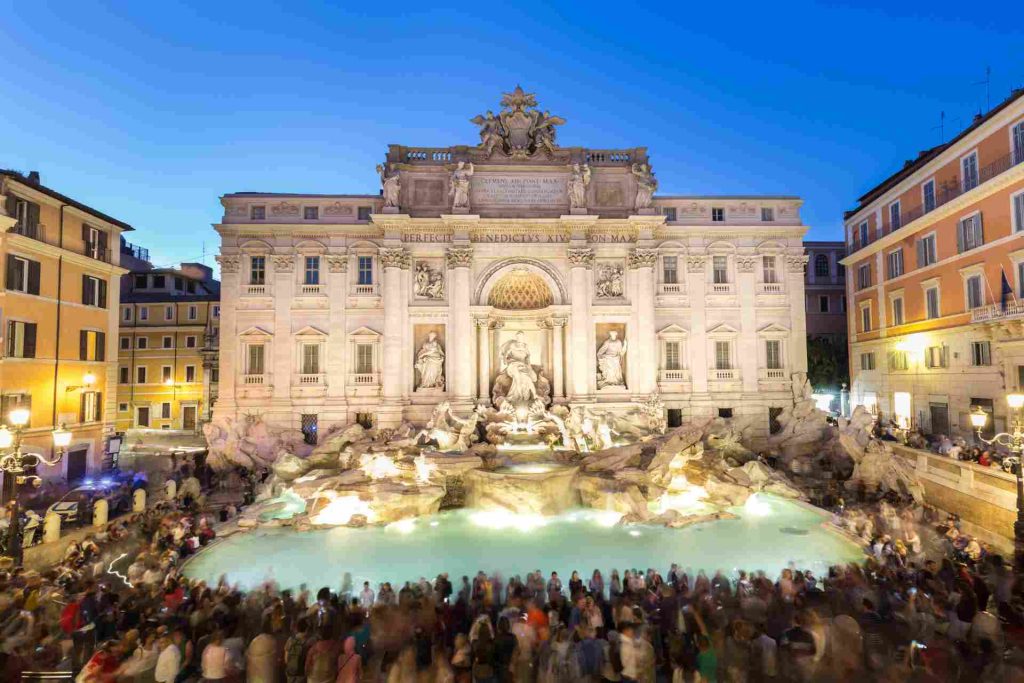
(695, 264)
(338, 209)
(284, 209)
(519, 130)
(795, 264)
(745, 264)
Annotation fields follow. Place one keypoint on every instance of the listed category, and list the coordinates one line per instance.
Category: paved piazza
(510, 267)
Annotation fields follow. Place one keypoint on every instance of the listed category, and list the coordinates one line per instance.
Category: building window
(867, 361)
(864, 276)
(675, 417)
(312, 271)
(94, 291)
(22, 274)
(311, 213)
(894, 216)
(725, 413)
(143, 313)
(823, 303)
(27, 218)
(9, 402)
(168, 342)
(717, 214)
(975, 297)
(214, 375)
(310, 359)
(165, 410)
(865, 319)
(190, 342)
(140, 374)
(767, 214)
(254, 356)
(142, 342)
(124, 375)
(365, 270)
(193, 312)
(672, 356)
(773, 354)
(936, 356)
(771, 274)
(1020, 279)
(21, 339)
(363, 213)
(926, 253)
(122, 407)
(258, 270)
(897, 310)
(89, 407)
(969, 166)
(981, 353)
(179, 284)
(670, 270)
(126, 314)
(898, 361)
(190, 374)
(670, 213)
(895, 262)
(258, 213)
(216, 311)
(842, 303)
(159, 282)
(720, 269)
(126, 343)
(168, 312)
(928, 196)
(821, 266)
(931, 303)
(92, 345)
(969, 234)
(364, 359)
(165, 375)
(1017, 134)
(864, 234)
(309, 428)
(142, 416)
(723, 359)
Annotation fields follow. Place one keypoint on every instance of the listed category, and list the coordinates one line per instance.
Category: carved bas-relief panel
(609, 280)
(428, 280)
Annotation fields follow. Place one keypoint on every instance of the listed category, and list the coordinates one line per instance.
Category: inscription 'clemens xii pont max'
(518, 191)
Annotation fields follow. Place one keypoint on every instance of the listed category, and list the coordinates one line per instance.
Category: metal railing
(135, 251)
(1013, 309)
(30, 230)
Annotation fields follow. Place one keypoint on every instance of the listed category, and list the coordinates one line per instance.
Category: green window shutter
(30, 340)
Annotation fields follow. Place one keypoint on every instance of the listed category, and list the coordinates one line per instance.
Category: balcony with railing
(254, 380)
(996, 312)
(312, 290)
(772, 374)
(769, 288)
(723, 374)
(95, 251)
(255, 290)
(674, 376)
(365, 379)
(721, 288)
(365, 290)
(671, 288)
(310, 379)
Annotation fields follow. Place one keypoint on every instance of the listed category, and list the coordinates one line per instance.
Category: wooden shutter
(30, 340)
(33, 277)
(101, 346)
(9, 280)
(33, 218)
(81, 407)
(11, 208)
(99, 407)
(103, 245)
(920, 253)
(960, 230)
(86, 291)
(103, 294)
(83, 345)
(979, 231)
(85, 235)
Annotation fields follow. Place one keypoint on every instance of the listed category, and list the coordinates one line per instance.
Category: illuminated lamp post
(1014, 441)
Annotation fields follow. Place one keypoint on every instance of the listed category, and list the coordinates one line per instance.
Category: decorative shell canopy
(520, 290)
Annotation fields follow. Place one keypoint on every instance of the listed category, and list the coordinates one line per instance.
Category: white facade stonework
(341, 291)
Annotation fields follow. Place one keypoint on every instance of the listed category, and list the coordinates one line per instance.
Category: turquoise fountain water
(770, 534)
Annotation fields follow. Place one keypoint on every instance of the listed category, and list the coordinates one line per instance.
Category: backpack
(295, 656)
(70, 618)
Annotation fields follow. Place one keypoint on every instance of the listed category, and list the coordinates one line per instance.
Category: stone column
(459, 259)
(557, 326)
(483, 350)
(283, 365)
(581, 261)
(697, 344)
(747, 351)
(797, 313)
(230, 368)
(337, 340)
(645, 352)
(392, 261)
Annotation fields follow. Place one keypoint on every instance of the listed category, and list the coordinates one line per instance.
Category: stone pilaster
(557, 327)
(696, 286)
(283, 365)
(581, 262)
(392, 261)
(797, 312)
(337, 340)
(483, 353)
(459, 259)
(644, 357)
(747, 351)
(228, 362)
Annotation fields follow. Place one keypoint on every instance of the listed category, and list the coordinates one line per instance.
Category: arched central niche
(520, 290)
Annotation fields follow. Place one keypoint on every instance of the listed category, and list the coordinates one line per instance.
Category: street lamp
(13, 463)
(1014, 441)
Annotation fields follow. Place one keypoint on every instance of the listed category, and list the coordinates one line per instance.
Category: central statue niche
(520, 389)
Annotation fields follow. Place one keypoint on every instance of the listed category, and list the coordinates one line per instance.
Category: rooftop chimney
(33, 177)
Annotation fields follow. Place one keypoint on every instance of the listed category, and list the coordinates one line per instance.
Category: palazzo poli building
(337, 308)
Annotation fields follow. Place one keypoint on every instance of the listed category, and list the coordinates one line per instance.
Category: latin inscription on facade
(504, 190)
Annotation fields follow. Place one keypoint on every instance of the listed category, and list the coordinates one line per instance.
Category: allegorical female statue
(430, 363)
(459, 191)
(515, 355)
(646, 185)
(578, 182)
(391, 186)
(609, 361)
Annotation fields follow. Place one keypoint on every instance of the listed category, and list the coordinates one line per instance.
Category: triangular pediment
(722, 329)
(672, 330)
(255, 332)
(364, 332)
(773, 328)
(310, 331)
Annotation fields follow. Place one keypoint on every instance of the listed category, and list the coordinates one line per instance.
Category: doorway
(142, 416)
(939, 414)
(188, 418)
(77, 464)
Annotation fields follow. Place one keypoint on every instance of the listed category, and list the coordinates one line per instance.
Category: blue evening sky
(152, 110)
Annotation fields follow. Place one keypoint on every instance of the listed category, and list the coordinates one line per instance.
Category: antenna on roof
(988, 87)
(941, 127)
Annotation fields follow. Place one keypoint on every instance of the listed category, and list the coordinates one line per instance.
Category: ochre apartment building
(59, 288)
(935, 280)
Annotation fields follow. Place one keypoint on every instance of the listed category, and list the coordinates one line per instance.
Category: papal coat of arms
(519, 130)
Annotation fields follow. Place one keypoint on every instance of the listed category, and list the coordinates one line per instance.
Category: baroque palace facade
(375, 308)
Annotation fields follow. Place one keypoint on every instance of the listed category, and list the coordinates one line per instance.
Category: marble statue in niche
(578, 183)
(646, 185)
(428, 282)
(609, 362)
(430, 363)
(459, 191)
(391, 185)
(609, 282)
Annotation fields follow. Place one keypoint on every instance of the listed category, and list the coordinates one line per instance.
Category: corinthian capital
(459, 257)
(695, 264)
(642, 258)
(795, 264)
(228, 264)
(284, 263)
(395, 258)
(337, 263)
(581, 257)
(745, 264)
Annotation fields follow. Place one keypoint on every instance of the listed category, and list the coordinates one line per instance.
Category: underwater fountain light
(403, 526)
(342, 509)
(682, 496)
(756, 506)
(500, 519)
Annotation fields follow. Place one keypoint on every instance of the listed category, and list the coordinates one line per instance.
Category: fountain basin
(524, 488)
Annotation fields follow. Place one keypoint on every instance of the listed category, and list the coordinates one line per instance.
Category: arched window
(821, 266)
